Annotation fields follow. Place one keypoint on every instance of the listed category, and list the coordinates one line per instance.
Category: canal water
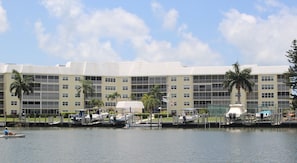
(142, 145)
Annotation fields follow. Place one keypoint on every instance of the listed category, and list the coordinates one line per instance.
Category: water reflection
(151, 145)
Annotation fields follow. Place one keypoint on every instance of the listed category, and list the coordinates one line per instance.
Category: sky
(192, 32)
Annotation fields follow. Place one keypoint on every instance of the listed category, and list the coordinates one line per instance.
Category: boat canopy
(130, 106)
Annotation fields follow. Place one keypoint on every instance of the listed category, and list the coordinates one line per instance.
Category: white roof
(134, 69)
(129, 104)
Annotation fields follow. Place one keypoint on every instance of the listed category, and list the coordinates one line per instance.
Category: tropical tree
(114, 96)
(149, 102)
(96, 102)
(238, 79)
(155, 91)
(291, 75)
(22, 84)
(86, 88)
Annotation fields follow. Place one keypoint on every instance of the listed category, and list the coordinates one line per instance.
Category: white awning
(130, 106)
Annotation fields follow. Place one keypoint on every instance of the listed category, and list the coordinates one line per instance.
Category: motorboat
(79, 116)
(264, 114)
(125, 111)
(96, 117)
(122, 117)
(235, 111)
(13, 136)
(188, 115)
(87, 115)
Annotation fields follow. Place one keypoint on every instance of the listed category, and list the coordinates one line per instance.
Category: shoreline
(260, 124)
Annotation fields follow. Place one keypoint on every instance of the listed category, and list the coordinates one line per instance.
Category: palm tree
(238, 79)
(149, 102)
(22, 84)
(86, 88)
(114, 96)
(155, 91)
(96, 102)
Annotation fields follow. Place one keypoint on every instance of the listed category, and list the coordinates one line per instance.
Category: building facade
(183, 87)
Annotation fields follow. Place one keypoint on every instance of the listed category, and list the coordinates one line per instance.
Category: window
(77, 103)
(125, 80)
(125, 96)
(267, 78)
(65, 78)
(65, 103)
(110, 88)
(173, 78)
(267, 103)
(267, 95)
(186, 78)
(110, 80)
(173, 87)
(267, 86)
(65, 86)
(77, 95)
(186, 87)
(14, 102)
(125, 88)
(173, 95)
(186, 103)
(186, 95)
(77, 78)
(65, 95)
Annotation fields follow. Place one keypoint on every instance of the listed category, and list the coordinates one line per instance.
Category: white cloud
(63, 8)
(189, 51)
(261, 40)
(96, 35)
(168, 18)
(3, 19)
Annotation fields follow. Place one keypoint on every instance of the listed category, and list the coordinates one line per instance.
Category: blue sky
(193, 32)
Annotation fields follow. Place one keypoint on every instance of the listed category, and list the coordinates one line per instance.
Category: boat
(122, 117)
(88, 115)
(13, 136)
(264, 114)
(96, 117)
(188, 115)
(235, 112)
(125, 111)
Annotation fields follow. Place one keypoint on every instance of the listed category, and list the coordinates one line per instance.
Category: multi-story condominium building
(185, 87)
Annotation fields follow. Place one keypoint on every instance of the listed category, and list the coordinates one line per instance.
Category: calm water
(150, 145)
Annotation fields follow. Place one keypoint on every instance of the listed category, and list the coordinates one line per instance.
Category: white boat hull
(235, 111)
(122, 117)
(188, 118)
(13, 136)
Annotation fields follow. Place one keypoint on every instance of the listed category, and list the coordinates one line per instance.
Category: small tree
(291, 75)
(238, 79)
(22, 84)
(114, 96)
(96, 103)
(149, 102)
(86, 88)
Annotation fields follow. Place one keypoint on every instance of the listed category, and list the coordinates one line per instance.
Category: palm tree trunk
(20, 113)
(238, 95)
(151, 112)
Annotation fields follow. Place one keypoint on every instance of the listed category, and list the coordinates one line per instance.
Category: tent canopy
(130, 106)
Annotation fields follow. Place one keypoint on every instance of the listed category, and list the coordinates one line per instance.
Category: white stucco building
(196, 87)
